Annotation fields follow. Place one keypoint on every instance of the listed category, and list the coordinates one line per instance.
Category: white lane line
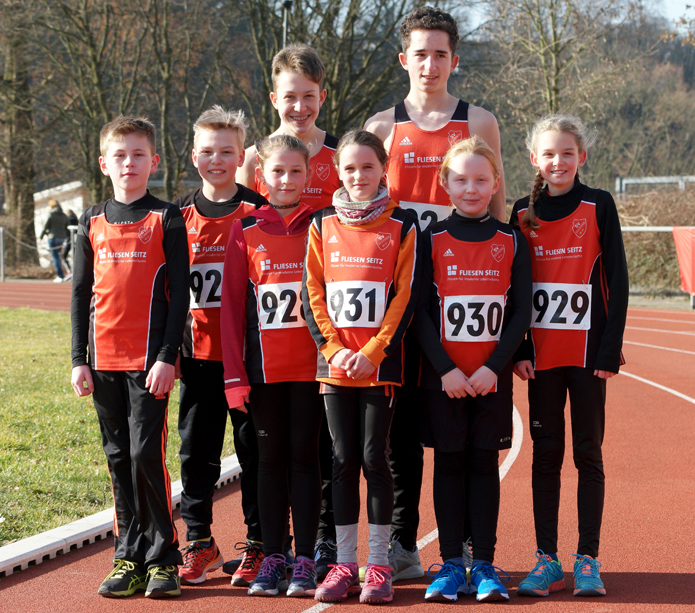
(673, 321)
(658, 386)
(661, 331)
(658, 347)
(517, 439)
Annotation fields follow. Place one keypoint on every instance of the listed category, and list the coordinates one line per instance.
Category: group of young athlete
(346, 302)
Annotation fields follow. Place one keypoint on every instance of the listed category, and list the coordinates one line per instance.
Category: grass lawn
(52, 467)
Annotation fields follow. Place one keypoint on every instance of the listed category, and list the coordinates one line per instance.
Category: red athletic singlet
(324, 179)
(566, 259)
(129, 290)
(415, 157)
(472, 281)
(278, 344)
(207, 240)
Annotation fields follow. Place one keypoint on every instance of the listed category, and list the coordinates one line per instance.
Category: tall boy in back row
(417, 133)
(129, 305)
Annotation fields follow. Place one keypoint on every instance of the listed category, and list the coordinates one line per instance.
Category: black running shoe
(325, 554)
(125, 579)
(163, 582)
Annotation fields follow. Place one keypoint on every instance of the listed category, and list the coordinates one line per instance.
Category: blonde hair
(299, 59)
(470, 146)
(280, 142)
(558, 122)
(365, 139)
(122, 126)
(218, 118)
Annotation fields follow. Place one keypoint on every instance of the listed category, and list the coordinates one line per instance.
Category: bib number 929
(280, 306)
(473, 319)
(206, 285)
(561, 306)
(356, 304)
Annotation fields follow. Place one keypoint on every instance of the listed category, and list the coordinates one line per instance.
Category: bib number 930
(206, 285)
(356, 304)
(561, 306)
(280, 306)
(473, 319)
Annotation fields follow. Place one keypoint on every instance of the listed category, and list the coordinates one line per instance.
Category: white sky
(673, 9)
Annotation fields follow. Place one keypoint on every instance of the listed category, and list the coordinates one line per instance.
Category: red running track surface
(648, 530)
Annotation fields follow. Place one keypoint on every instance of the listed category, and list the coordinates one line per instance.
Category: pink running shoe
(343, 580)
(378, 588)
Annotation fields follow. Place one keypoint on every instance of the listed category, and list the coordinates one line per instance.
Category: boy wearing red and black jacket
(129, 304)
(210, 212)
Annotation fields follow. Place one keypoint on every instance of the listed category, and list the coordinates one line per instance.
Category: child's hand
(604, 374)
(456, 385)
(482, 380)
(243, 408)
(359, 366)
(340, 359)
(160, 379)
(524, 370)
(80, 376)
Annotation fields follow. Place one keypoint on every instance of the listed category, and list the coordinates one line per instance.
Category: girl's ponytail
(528, 220)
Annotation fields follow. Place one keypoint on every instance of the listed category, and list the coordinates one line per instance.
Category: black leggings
(287, 417)
(480, 488)
(359, 421)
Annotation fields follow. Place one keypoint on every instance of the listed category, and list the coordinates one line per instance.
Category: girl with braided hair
(580, 294)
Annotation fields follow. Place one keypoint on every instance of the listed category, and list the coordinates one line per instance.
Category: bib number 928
(280, 306)
(356, 304)
(561, 306)
(473, 319)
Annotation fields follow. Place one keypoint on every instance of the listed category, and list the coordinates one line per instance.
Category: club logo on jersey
(533, 234)
(193, 230)
(497, 252)
(265, 265)
(409, 158)
(406, 141)
(145, 234)
(333, 239)
(322, 171)
(261, 248)
(539, 250)
(383, 240)
(102, 253)
(100, 237)
(335, 257)
(195, 248)
(579, 227)
(455, 136)
(448, 254)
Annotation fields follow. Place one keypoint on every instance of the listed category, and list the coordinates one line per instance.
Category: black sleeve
(176, 253)
(423, 325)
(519, 298)
(609, 355)
(525, 350)
(82, 282)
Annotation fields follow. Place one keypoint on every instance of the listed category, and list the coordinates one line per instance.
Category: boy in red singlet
(209, 212)
(417, 134)
(128, 311)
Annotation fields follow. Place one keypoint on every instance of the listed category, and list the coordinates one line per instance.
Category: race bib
(561, 306)
(473, 319)
(427, 214)
(280, 306)
(356, 304)
(206, 285)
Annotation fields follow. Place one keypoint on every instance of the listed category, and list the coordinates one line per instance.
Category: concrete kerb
(47, 545)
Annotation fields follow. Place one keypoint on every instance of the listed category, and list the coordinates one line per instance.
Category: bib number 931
(561, 306)
(473, 319)
(356, 304)
(280, 306)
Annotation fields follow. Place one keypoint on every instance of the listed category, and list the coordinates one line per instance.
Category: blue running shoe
(449, 582)
(271, 577)
(587, 581)
(486, 582)
(303, 582)
(546, 577)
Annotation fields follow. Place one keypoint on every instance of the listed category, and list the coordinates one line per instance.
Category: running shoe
(546, 577)
(303, 582)
(271, 577)
(163, 582)
(198, 561)
(125, 579)
(378, 587)
(587, 581)
(449, 581)
(486, 582)
(249, 565)
(343, 580)
(405, 564)
(325, 554)
(467, 556)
